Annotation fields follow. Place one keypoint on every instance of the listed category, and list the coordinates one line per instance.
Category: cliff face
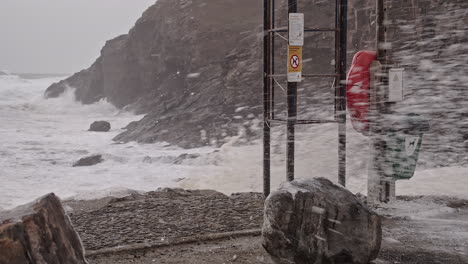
(195, 66)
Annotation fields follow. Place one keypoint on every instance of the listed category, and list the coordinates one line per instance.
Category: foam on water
(41, 138)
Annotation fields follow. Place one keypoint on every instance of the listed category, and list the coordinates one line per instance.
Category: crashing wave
(5, 72)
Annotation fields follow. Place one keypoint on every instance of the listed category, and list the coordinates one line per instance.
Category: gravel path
(164, 216)
(416, 230)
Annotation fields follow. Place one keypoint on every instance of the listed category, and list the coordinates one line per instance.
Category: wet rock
(39, 232)
(316, 221)
(180, 159)
(89, 161)
(100, 126)
(131, 125)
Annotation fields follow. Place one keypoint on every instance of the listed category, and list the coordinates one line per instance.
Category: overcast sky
(61, 36)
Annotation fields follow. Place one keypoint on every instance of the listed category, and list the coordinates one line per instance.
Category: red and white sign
(295, 61)
(294, 64)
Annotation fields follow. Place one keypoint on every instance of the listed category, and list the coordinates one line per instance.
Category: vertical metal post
(374, 190)
(266, 95)
(340, 91)
(272, 86)
(292, 113)
(385, 108)
(380, 187)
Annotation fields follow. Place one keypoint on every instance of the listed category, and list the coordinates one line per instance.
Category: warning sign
(294, 61)
(294, 64)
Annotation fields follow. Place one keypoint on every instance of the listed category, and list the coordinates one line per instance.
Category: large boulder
(39, 232)
(100, 126)
(316, 221)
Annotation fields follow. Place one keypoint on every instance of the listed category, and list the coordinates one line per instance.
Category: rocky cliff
(195, 66)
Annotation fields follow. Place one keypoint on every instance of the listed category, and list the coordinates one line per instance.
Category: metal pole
(266, 95)
(292, 113)
(272, 52)
(385, 108)
(380, 187)
(340, 92)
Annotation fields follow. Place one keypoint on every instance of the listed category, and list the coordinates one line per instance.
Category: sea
(41, 138)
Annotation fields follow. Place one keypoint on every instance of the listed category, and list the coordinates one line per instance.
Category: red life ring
(357, 90)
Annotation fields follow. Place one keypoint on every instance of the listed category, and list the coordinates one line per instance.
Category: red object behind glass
(357, 90)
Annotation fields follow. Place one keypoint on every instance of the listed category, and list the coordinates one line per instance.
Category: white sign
(296, 29)
(411, 143)
(294, 77)
(395, 85)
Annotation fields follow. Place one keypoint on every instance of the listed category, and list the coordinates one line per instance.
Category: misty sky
(61, 36)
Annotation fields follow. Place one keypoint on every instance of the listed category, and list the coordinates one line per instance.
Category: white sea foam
(41, 138)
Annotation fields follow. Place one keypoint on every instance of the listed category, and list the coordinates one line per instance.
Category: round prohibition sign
(294, 61)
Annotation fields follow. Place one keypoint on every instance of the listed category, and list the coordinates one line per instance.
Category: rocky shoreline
(181, 226)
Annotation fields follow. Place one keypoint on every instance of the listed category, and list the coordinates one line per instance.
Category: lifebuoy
(357, 90)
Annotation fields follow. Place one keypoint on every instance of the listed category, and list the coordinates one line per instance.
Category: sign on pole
(294, 64)
(296, 29)
(395, 85)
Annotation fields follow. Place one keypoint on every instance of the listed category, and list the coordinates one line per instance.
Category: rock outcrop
(89, 161)
(100, 126)
(316, 221)
(195, 66)
(39, 232)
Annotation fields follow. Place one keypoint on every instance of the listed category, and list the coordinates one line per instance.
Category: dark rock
(131, 125)
(89, 161)
(100, 126)
(39, 232)
(316, 221)
(180, 159)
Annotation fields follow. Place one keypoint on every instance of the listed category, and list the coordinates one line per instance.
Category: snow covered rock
(100, 126)
(316, 221)
(39, 232)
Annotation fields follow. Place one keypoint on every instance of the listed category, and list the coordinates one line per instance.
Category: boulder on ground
(316, 221)
(100, 126)
(89, 161)
(39, 232)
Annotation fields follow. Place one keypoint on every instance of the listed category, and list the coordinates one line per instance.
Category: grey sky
(61, 36)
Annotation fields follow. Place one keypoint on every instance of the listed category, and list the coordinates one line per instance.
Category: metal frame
(269, 97)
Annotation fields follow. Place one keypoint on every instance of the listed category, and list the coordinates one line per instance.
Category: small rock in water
(316, 221)
(89, 161)
(180, 159)
(100, 126)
